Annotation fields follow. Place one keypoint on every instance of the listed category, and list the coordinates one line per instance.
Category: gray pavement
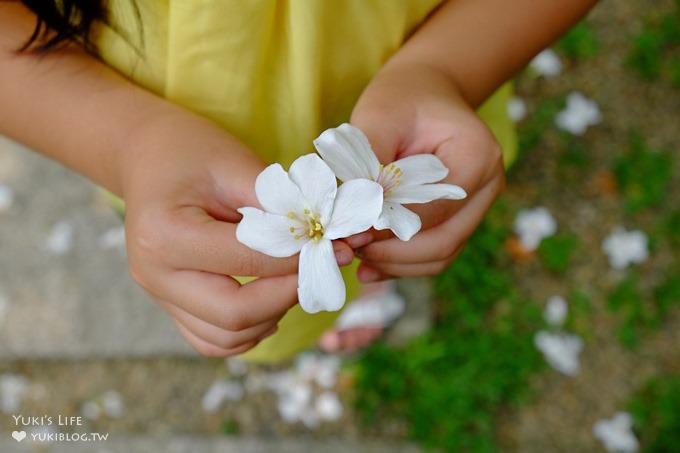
(64, 285)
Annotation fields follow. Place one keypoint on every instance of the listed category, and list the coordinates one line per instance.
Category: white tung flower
(304, 210)
(328, 406)
(516, 108)
(221, 390)
(534, 225)
(409, 180)
(578, 115)
(617, 433)
(555, 311)
(561, 350)
(625, 247)
(320, 368)
(60, 239)
(547, 63)
(6, 198)
(13, 389)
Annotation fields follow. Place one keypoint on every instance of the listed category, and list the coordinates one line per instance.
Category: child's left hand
(410, 109)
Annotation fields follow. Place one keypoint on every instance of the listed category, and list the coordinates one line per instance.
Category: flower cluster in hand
(304, 209)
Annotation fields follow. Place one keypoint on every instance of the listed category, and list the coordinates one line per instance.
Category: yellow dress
(275, 74)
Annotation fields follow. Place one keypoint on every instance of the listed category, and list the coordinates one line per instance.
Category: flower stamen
(310, 225)
(389, 177)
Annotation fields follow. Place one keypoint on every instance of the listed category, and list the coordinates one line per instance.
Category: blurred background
(555, 331)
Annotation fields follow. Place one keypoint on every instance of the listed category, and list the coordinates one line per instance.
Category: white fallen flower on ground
(221, 390)
(109, 403)
(112, 404)
(560, 350)
(112, 238)
(4, 306)
(616, 434)
(534, 225)
(547, 63)
(555, 311)
(13, 390)
(328, 406)
(304, 210)
(319, 368)
(237, 366)
(516, 108)
(6, 198)
(43, 433)
(348, 153)
(295, 402)
(625, 247)
(60, 239)
(578, 115)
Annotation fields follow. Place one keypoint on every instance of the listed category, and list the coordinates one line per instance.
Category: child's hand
(410, 109)
(182, 183)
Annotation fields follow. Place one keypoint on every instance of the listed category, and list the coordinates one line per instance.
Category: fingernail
(344, 257)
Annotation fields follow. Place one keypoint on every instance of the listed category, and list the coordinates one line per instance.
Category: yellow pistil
(315, 231)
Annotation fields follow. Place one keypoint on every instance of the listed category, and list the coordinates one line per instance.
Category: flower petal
(425, 193)
(267, 233)
(346, 150)
(403, 222)
(276, 192)
(320, 284)
(421, 169)
(357, 207)
(316, 182)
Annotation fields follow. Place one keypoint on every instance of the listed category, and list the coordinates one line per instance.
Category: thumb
(383, 136)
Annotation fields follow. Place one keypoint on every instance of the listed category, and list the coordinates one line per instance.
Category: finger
(434, 244)
(369, 273)
(208, 349)
(221, 338)
(192, 239)
(189, 238)
(221, 300)
(360, 239)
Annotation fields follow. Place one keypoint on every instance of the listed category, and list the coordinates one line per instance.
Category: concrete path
(64, 286)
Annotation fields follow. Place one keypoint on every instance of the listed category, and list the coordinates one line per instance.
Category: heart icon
(19, 435)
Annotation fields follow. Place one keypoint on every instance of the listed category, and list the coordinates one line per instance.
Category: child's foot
(364, 320)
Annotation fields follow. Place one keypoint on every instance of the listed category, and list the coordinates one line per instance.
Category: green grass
(449, 384)
(642, 175)
(654, 51)
(672, 228)
(627, 300)
(556, 252)
(656, 415)
(579, 43)
(532, 129)
(643, 311)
